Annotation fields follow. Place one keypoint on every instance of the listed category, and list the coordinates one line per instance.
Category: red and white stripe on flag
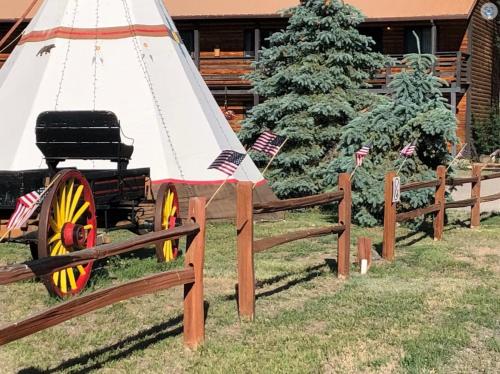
(228, 162)
(25, 207)
(269, 143)
(361, 154)
(408, 150)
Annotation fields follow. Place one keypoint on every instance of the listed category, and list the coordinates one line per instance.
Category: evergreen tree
(417, 112)
(311, 77)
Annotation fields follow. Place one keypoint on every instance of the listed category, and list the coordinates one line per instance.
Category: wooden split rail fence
(247, 246)
(191, 277)
(391, 217)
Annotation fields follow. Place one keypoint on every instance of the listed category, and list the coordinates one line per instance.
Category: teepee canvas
(123, 56)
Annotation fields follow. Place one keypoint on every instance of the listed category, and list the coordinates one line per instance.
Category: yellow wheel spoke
(88, 227)
(55, 238)
(81, 269)
(62, 204)
(167, 210)
(55, 251)
(167, 251)
(71, 277)
(59, 218)
(68, 199)
(76, 198)
(80, 212)
(55, 277)
(64, 284)
(53, 224)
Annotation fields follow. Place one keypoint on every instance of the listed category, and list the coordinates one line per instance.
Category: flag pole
(399, 170)
(217, 192)
(41, 197)
(456, 157)
(271, 160)
(354, 171)
(5, 235)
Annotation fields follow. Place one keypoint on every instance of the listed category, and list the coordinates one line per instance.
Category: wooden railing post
(244, 229)
(344, 238)
(194, 309)
(440, 199)
(475, 213)
(389, 219)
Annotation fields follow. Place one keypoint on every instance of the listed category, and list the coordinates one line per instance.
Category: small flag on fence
(464, 152)
(408, 150)
(269, 143)
(25, 207)
(228, 162)
(362, 153)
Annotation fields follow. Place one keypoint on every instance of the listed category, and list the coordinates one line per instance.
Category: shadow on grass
(100, 357)
(308, 274)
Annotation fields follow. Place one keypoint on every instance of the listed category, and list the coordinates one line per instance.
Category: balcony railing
(453, 67)
(227, 69)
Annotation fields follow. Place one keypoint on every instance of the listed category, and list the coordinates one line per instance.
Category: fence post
(475, 213)
(244, 229)
(194, 309)
(440, 199)
(389, 218)
(344, 238)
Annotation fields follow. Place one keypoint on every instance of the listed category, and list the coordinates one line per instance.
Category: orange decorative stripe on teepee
(120, 32)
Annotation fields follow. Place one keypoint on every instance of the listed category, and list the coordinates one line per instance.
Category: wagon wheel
(167, 216)
(67, 223)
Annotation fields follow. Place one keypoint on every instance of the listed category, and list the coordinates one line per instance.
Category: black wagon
(77, 202)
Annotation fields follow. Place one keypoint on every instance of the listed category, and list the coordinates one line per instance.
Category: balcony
(226, 71)
(453, 67)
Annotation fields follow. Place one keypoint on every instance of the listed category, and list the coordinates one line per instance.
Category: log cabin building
(224, 38)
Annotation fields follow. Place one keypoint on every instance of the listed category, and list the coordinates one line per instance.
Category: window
(265, 35)
(249, 43)
(377, 34)
(424, 35)
(187, 37)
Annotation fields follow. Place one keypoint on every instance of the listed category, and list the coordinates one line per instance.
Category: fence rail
(298, 203)
(191, 277)
(247, 246)
(391, 217)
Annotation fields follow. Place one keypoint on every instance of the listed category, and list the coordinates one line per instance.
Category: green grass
(436, 309)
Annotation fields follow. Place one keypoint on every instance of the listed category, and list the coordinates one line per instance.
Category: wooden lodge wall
(482, 70)
(222, 39)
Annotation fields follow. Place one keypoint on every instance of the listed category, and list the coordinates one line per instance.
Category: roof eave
(277, 16)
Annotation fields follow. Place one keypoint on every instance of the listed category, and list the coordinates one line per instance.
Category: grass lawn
(436, 309)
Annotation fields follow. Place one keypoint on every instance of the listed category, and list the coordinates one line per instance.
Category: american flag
(362, 153)
(408, 150)
(464, 152)
(228, 162)
(269, 143)
(25, 207)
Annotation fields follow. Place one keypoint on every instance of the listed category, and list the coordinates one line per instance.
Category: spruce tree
(416, 111)
(311, 78)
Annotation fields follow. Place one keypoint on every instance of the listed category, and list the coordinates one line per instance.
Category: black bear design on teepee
(46, 50)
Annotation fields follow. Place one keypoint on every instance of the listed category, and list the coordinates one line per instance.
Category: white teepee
(123, 56)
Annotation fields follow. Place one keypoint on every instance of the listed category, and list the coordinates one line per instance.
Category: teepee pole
(19, 21)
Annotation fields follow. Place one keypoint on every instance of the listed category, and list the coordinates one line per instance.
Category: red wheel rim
(67, 223)
(167, 216)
